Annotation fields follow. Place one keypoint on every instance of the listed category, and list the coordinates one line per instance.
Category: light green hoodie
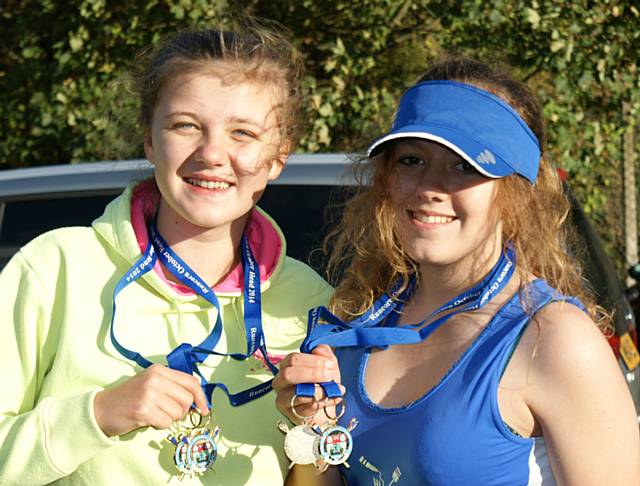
(56, 354)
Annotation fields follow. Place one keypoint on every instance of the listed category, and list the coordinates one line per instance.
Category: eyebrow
(247, 121)
(180, 113)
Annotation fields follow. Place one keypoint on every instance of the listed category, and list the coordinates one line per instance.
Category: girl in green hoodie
(141, 348)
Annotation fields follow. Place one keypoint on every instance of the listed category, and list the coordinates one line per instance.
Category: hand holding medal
(318, 440)
(154, 391)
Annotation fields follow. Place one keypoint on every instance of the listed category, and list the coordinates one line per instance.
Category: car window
(22, 221)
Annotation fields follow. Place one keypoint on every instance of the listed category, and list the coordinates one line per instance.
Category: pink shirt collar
(264, 239)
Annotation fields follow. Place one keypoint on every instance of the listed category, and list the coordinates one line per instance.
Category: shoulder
(58, 241)
(569, 357)
(48, 253)
(565, 334)
(577, 394)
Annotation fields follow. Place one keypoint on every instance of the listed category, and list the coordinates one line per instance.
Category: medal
(330, 444)
(196, 447)
(336, 441)
(301, 443)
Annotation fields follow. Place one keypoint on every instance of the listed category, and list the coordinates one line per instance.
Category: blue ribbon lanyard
(185, 356)
(377, 326)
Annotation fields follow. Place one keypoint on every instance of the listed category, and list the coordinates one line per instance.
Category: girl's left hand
(319, 366)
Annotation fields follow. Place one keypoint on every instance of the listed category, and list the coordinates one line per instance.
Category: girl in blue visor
(467, 348)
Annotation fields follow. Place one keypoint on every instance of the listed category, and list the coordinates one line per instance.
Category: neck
(441, 283)
(211, 252)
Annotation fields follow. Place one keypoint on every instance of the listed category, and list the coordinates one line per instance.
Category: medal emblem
(196, 448)
(336, 442)
(336, 445)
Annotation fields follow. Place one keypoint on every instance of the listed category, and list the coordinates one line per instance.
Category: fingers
(318, 367)
(189, 390)
(307, 368)
(155, 397)
(325, 351)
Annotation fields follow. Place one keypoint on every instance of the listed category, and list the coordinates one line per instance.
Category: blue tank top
(454, 434)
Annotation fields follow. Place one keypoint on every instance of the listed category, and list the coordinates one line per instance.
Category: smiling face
(443, 206)
(214, 146)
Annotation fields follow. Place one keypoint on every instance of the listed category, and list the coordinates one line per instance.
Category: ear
(279, 161)
(148, 146)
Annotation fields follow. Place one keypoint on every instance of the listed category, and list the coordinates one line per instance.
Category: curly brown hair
(365, 250)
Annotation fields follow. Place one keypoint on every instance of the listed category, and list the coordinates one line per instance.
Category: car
(306, 195)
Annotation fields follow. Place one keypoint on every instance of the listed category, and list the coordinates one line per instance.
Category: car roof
(301, 169)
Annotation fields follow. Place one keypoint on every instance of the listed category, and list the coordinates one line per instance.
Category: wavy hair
(365, 249)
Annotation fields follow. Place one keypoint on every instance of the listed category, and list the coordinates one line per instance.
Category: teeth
(432, 219)
(208, 184)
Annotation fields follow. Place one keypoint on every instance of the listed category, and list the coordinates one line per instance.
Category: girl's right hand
(319, 366)
(155, 397)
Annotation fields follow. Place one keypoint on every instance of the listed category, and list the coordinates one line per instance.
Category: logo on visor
(486, 157)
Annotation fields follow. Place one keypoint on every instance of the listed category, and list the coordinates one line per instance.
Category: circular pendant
(301, 445)
(180, 455)
(201, 452)
(336, 445)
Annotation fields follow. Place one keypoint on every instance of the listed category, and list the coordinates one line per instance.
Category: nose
(431, 184)
(212, 149)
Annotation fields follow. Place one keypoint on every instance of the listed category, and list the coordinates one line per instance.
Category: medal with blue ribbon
(196, 445)
(377, 328)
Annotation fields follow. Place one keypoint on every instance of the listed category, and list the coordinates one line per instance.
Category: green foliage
(59, 63)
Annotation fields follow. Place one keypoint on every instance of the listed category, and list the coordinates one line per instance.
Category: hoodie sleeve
(41, 439)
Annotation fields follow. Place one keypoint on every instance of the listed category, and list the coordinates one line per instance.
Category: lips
(207, 184)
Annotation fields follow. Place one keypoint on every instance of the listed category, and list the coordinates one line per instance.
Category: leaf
(533, 17)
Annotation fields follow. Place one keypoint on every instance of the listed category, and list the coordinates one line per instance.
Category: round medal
(202, 452)
(180, 455)
(336, 444)
(301, 445)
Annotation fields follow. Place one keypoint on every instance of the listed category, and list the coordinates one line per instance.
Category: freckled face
(444, 207)
(214, 147)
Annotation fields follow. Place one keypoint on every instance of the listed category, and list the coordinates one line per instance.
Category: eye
(466, 168)
(183, 126)
(244, 133)
(410, 160)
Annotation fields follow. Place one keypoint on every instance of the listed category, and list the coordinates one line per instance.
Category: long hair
(365, 248)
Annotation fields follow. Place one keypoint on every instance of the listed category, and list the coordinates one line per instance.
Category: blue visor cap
(477, 125)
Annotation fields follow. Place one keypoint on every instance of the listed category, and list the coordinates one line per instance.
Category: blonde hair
(365, 248)
(254, 50)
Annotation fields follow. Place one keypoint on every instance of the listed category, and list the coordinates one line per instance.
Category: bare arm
(310, 476)
(579, 398)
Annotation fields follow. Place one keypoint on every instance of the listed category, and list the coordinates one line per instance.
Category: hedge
(60, 62)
